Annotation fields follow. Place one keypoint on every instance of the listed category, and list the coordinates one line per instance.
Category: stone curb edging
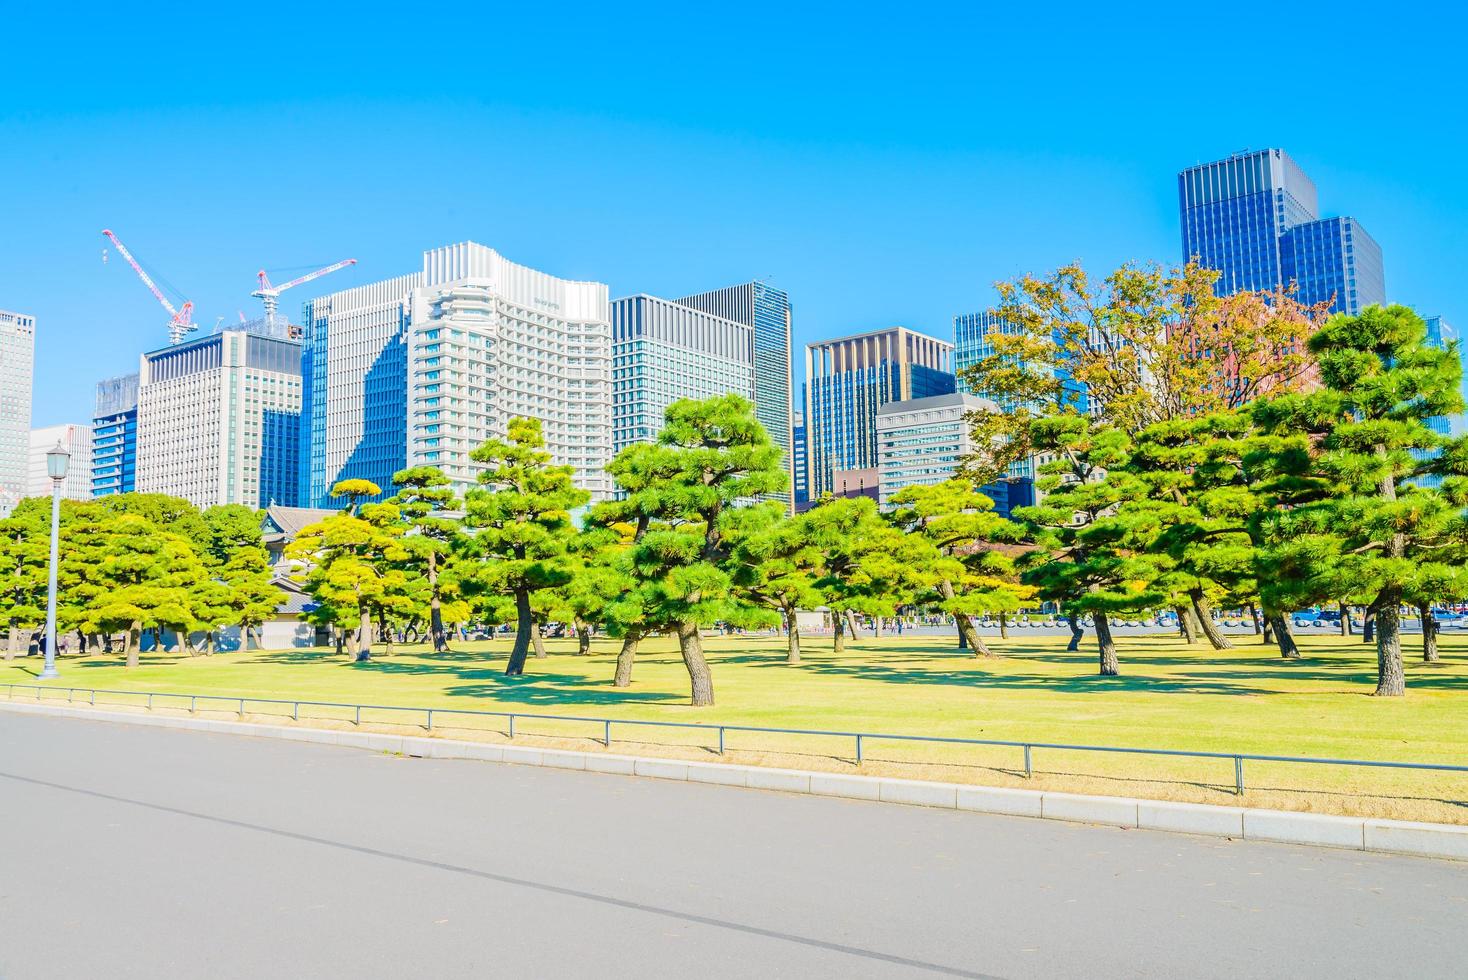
(1279, 826)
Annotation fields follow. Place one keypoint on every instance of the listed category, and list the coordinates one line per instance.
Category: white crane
(269, 293)
(181, 319)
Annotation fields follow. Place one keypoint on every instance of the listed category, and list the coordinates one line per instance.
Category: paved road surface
(138, 852)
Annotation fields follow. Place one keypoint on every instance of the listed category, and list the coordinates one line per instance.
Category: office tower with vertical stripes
(1254, 217)
(849, 378)
(17, 369)
(663, 351)
(766, 310)
(115, 436)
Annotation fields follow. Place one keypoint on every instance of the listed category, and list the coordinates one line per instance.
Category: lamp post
(57, 461)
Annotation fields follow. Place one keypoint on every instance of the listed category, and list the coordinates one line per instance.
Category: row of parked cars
(1331, 618)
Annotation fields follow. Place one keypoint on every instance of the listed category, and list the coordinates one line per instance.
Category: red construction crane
(181, 321)
(270, 294)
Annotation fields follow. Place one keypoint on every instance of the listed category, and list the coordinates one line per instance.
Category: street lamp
(57, 461)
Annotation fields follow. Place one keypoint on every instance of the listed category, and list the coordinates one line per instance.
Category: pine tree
(432, 542)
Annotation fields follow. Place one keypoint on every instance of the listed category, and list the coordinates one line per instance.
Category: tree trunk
(838, 634)
(1076, 633)
(435, 610)
(339, 637)
(1288, 648)
(537, 641)
(1345, 620)
(1429, 635)
(876, 627)
(1368, 625)
(1185, 623)
(131, 644)
(386, 638)
(12, 643)
(364, 634)
(701, 681)
(521, 649)
(211, 643)
(1254, 618)
(583, 639)
(1205, 620)
(1106, 645)
(624, 661)
(1268, 637)
(1003, 625)
(792, 638)
(851, 622)
(1390, 680)
(971, 636)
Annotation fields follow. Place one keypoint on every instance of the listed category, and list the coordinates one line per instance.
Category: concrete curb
(1322, 830)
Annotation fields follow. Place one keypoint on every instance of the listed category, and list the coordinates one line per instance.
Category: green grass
(1170, 695)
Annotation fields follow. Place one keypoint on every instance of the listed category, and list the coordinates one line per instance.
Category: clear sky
(882, 164)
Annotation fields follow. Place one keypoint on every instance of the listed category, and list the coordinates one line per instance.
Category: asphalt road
(138, 852)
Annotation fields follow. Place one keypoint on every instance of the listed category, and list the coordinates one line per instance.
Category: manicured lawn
(1169, 696)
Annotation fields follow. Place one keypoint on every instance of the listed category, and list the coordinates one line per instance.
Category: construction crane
(269, 293)
(181, 320)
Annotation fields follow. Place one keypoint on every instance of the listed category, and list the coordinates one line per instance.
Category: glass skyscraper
(848, 379)
(1254, 217)
(115, 436)
(767, 310)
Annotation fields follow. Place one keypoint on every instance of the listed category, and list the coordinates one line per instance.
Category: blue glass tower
(1254, 217)
(115, 436)
(802, 464)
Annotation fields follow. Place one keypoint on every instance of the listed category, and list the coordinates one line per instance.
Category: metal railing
(721, 731)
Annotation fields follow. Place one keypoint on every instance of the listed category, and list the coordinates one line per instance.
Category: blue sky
(883, 165)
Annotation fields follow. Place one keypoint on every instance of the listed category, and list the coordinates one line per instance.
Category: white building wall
(17, 368)
(77, 440)
(922, 441)
(490, 340)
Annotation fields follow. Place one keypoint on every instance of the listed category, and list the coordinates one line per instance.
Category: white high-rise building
(75, 439)
(17, 368)
(219, 418)
(421, 370)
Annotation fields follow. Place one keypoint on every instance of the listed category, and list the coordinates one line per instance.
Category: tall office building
(1442, 335)
(219, 418)
(17, 367)
(799, 449)
(422, 369)
(849, 378)
(1254, 217)
(115, 436)
(663, 351)
(923, 441)
(766, 310)
(76, 440)
(971, 344)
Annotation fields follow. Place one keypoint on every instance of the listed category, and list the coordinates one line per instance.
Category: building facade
(799, 451)
(766, 310)
(115, 436)
(663, 351)
(422, 369)
(849, 378)
(17, 369)
(922, 442)
(1254, 217)
(219, 418)
(76, 440)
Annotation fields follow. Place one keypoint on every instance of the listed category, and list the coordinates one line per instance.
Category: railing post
(296, 711)
(721, 740)
(358, 720)
(1029, 770)
(92, 698)
(242, 707)
(607, 741)
(512, 726)
(193, 704)
(430, 719)
(70, 692)
(1239, 775)
(858, 750)
(150, 702)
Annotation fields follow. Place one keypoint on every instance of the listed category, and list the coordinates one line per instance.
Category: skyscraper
(115, 436)
(923, 441)
(849, 378)
(219, 418)
(76, 440)
(663, 351)
(800, 450)
(422, 369)
(1254, 217)
(17, 367)
(1441, 334)
(766, 310)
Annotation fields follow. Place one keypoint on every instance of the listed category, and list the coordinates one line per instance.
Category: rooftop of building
(957, 399)
(878, 333)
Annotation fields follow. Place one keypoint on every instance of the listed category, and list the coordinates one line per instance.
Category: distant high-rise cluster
(422, 368)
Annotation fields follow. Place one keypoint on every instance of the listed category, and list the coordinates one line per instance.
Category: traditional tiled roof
(293, 599)
(284, 523)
